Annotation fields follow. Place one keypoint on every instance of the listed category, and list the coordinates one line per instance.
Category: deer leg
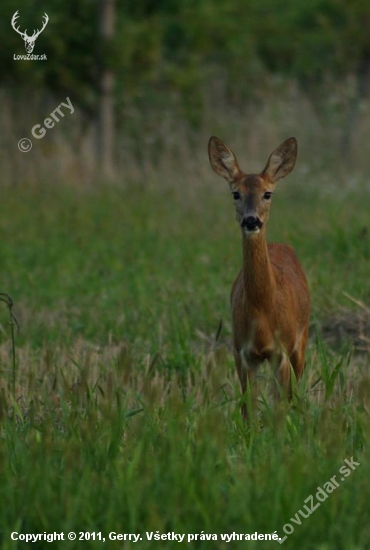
(245, 375)
(282, 374)
(297, 357)
(243, 381)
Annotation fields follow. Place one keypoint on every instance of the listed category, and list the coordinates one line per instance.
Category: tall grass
(125, 415)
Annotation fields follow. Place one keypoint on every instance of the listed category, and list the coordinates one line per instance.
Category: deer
(270, 299)
(29, 41)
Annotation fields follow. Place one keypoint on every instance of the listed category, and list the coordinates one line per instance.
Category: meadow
(125, 412)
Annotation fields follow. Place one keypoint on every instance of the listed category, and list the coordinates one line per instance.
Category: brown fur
(270, 298)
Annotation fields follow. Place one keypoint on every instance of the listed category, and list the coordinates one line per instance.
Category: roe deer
(270, 299)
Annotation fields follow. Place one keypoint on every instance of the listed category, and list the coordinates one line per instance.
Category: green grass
(126, 417)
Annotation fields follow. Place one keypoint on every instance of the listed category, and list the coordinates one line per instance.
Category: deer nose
(250, 223)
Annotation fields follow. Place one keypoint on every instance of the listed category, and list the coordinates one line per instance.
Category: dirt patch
(348, 326)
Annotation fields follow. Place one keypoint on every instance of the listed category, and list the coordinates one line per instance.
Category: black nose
(250, 223)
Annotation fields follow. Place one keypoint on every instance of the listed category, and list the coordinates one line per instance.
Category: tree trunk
(362, 89)
(106, 114)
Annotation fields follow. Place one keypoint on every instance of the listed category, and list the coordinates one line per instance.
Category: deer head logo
(29, 41)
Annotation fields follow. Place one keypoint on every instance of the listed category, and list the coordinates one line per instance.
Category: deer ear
(282, 160)
(222, 160)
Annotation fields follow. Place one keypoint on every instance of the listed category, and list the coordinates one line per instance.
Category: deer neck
(258, 277)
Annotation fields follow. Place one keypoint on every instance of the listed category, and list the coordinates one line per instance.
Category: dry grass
(153, 144)
(349, 326)
(85, 373)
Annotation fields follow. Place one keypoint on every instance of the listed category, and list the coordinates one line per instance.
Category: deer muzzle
(251, 224)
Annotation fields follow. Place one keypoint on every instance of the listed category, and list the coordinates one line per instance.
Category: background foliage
(195, 52)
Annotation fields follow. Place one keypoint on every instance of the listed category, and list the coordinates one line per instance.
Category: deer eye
(267, 195)
(236, 195)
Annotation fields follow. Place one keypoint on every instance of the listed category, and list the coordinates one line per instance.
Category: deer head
(29, 41)
(252, 192)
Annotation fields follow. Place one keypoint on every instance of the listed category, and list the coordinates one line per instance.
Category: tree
(106, 112)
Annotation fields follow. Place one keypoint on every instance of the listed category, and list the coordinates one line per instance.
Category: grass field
(125, 413)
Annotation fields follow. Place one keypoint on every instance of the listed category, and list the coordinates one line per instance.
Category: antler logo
(29, 41)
